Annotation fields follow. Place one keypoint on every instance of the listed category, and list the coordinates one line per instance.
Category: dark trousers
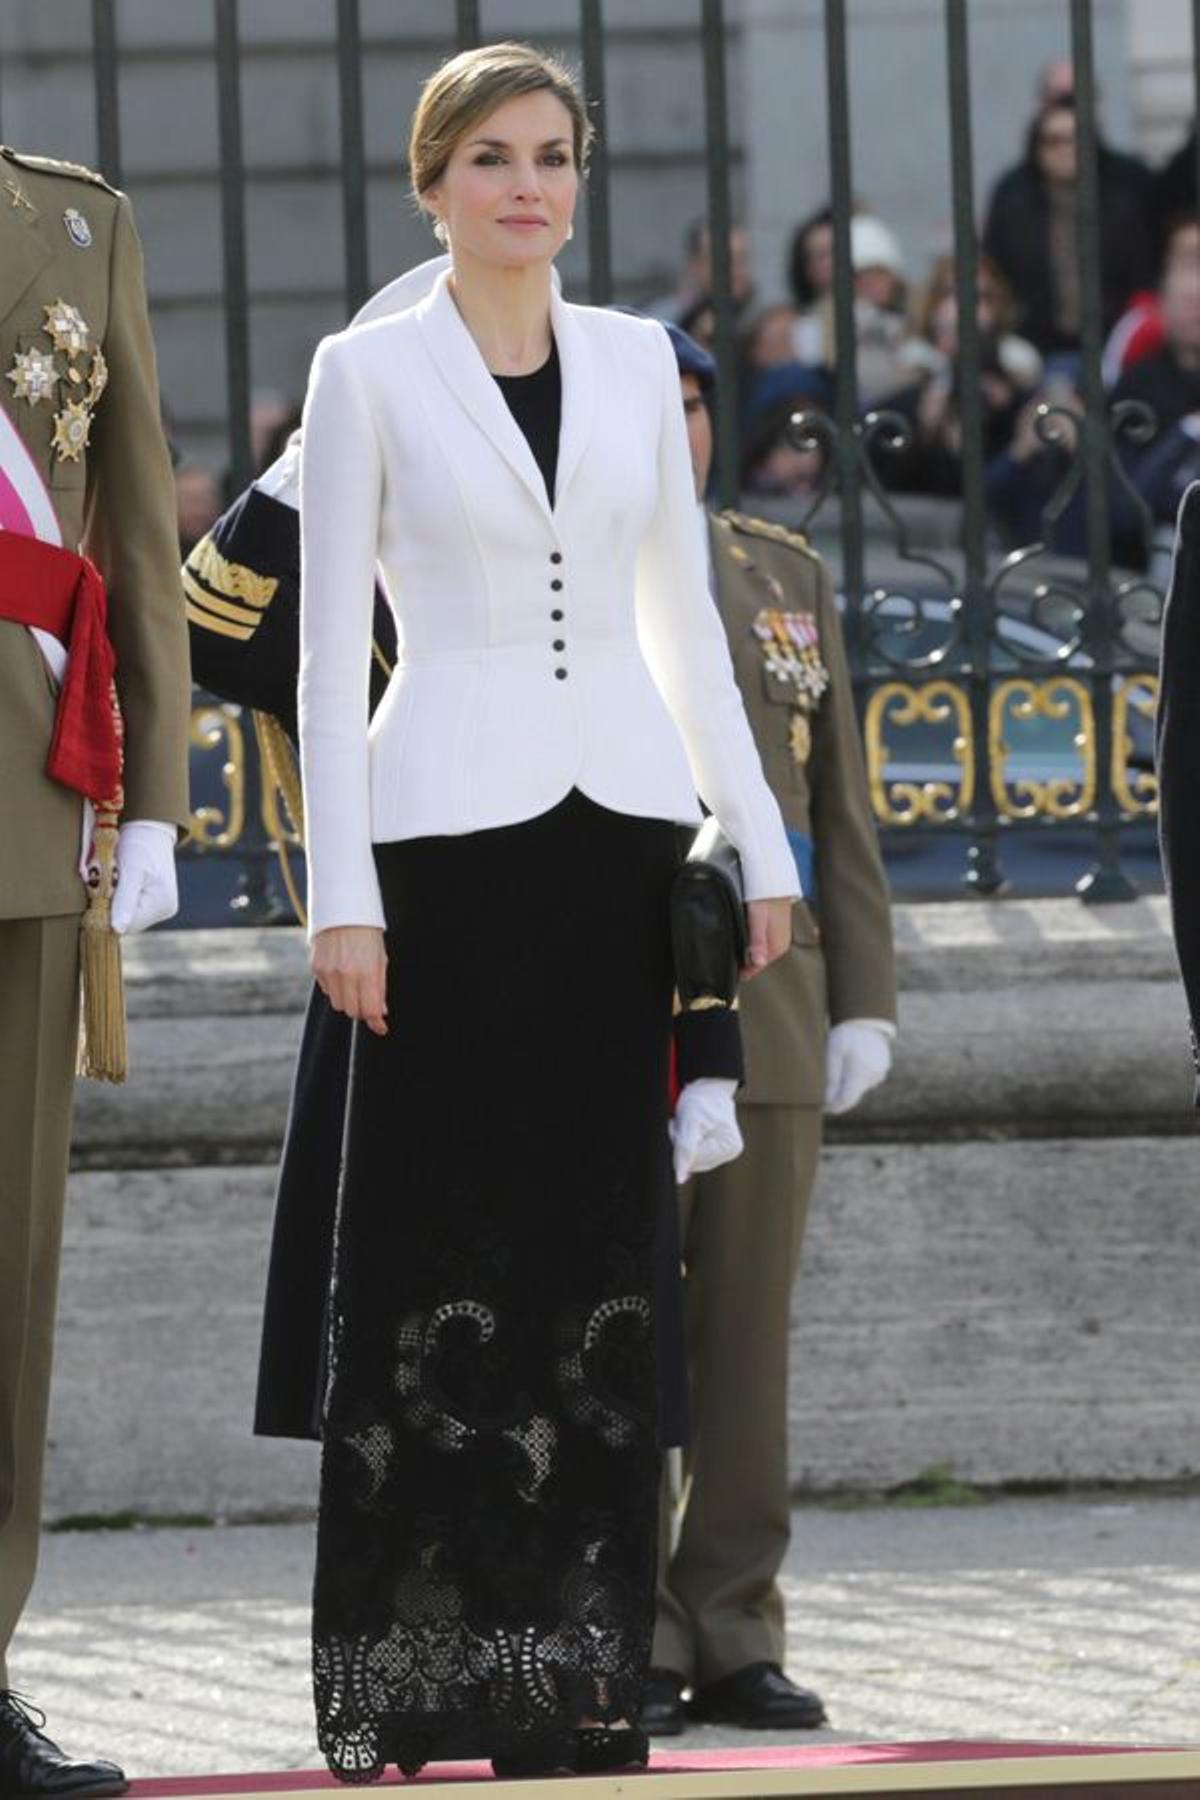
(719, 1606)
(39, 1014)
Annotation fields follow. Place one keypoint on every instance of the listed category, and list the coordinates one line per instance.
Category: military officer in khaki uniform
(83, 468)
(817, 1030)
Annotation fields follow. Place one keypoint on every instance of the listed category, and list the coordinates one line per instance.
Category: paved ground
(185, 1651)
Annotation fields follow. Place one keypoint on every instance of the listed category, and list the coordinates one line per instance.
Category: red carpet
(864, 1769)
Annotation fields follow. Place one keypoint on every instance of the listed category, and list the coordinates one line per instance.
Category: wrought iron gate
(967, 643)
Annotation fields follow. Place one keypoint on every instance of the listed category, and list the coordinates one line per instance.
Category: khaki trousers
(719, 1605)
(39, 1013)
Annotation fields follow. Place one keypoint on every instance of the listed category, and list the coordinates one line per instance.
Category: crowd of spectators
(1029, 308)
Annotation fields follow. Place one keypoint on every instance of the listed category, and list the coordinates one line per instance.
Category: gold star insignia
(71, 428)
(800, 738)
(97, 377)
(67, 327)
(33, 375)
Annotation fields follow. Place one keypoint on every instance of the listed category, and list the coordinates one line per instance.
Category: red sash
(62, 593)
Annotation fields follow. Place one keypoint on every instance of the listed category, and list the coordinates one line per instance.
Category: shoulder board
(49, 165)
(767, 528)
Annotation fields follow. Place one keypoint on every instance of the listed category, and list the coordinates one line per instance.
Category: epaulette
(767, 528)
(50, 165)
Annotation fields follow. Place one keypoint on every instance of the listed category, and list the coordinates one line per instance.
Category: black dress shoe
(760, 1698)
(32, 1768)
(663, 1711)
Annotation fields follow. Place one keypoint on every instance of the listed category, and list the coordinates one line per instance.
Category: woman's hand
(349, 964)
(770, 931)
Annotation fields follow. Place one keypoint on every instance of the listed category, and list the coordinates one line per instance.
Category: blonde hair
(472, 85)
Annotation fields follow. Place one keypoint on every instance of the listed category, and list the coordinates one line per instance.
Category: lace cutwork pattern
(489, 1477)
(451, 1660)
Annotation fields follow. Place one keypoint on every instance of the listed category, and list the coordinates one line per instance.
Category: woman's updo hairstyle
(472, 85)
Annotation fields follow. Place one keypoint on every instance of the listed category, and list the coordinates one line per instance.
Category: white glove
(146, 892)
(857, 1058)
(704, 1130)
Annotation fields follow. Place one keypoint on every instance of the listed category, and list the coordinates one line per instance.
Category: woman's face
(878, 285)
(818, 257)
(771, 342)
(508, 191)
(943, 323)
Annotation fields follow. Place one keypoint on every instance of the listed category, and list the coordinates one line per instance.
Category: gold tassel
(103, 1036)
(280, 776)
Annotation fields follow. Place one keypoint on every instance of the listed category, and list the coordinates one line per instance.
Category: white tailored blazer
(541, 647)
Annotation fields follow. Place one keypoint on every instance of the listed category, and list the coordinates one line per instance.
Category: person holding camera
(1009, 372)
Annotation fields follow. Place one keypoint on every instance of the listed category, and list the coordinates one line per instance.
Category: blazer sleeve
(130, 532)
(684, 643)
(341, 492)
(853, 902)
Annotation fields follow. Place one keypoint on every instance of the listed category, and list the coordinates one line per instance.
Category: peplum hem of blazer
(540, 647)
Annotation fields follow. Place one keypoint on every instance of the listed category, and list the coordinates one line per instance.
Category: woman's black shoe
(599, 1751)
(544, 1753)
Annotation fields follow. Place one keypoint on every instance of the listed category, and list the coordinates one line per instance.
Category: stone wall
(1002, 1271)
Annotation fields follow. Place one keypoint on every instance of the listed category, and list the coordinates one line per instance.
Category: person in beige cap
(882, 331)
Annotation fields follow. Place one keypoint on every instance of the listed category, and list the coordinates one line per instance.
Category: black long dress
(487, 1530)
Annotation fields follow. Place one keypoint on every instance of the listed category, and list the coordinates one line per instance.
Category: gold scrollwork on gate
(901, 704)
(1022, 700)
(1136, 790)
(209, 827)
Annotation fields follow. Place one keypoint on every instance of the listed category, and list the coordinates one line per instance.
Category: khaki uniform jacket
(776, 600)
(66, 236)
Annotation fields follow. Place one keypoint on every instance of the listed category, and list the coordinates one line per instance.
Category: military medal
(800, 737)
(97, 378)
(33, 375)
(791, 647)
(71, 428)
(67, 327)
(78, 229)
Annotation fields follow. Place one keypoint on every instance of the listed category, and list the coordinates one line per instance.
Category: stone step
(1027, 1018)
(1020, 1311)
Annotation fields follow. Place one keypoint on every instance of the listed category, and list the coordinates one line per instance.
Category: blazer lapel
(469, 379)
(578, 392)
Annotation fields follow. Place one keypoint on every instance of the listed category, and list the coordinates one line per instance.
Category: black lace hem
(358, 1750)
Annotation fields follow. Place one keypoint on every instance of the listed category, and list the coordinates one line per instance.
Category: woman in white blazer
(489, 870)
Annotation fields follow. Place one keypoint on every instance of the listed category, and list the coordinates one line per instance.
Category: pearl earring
(571, 230)
(440, 232)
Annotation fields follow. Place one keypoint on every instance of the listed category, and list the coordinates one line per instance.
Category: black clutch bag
(708, 922)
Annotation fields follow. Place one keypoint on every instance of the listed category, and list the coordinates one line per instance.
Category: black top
(535, 402)
(1017, 236)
